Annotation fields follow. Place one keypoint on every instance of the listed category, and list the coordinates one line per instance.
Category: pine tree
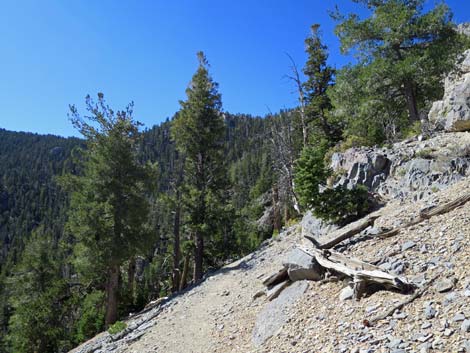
(198, 131)
(320, 77)
(403, 55)
(38, 298)
(109, 209)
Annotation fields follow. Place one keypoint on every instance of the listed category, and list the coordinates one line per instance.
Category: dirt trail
(219, 314)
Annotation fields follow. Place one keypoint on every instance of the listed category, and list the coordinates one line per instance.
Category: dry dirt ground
(220, 314)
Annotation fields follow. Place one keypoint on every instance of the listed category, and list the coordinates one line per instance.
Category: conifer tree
(403, 55)
(109, 209)
(198, 131)
(320, 77)
(38, 298)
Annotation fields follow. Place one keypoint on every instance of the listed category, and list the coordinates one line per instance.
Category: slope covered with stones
(222, 315)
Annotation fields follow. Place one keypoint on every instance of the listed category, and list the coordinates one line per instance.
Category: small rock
(400, 316)
(430, 312)
(458, 317)
(466, 346)
(425, 347)
(450, 298)
(424, 338)
(408, 245)
(456, 247)
(426, 325)
(372, 308)
(448, 332)
(394, 343)
(445, 285)
(465, 326)
(346, 293)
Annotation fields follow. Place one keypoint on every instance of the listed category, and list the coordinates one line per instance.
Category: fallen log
(364, 275)
(400, 305)
(344, 233)
(427, 214)
(276, 278)
(447, 207)
(274, 292)
(317, 264)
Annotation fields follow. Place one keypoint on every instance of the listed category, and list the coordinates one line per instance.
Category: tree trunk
(277, 213)
(198, 255)
(112, 286)
(131, 277)
(411, 103)
(176, 246)
(184, 275)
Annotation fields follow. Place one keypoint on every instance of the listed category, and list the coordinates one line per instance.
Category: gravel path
(220, 314)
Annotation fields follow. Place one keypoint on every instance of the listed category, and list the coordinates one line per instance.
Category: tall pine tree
(198, 131)
(320, 77)
(109, 209)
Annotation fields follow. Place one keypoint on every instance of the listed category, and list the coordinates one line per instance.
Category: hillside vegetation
(93, 229)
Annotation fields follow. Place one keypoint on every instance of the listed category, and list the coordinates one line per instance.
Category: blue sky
(53, 53)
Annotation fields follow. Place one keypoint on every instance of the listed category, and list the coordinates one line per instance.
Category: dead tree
(285, 154)
(295, 77)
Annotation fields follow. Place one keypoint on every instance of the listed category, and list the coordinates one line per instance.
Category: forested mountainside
(29, 197)
(32, 201)
(93, 229)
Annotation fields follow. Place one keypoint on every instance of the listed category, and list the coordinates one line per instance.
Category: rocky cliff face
(452, 113)
(417, 167)
(409, 169)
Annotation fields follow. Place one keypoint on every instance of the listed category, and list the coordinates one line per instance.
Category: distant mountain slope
(29, 196)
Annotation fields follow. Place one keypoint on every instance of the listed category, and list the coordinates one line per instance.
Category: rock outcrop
(411, 169)
(452, 113)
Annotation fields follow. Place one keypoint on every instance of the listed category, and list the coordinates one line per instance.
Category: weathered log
(344, 233)
(447, 207)
(276, 278)
(362, 273)
(428, 213)
(400, 305)
(388, 233)
(274, 292)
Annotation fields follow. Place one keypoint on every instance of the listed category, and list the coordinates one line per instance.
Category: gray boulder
(301, 266)
(452, 113)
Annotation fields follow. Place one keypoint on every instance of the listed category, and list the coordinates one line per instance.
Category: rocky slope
(228, 311)
(221, 314)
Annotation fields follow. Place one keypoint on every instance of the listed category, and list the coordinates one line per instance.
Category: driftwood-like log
(400, 305)
(388, 233)
(276, 278)
(427, 214)
(344, 233)
(363, 274)
(447, 207)
(274, 292)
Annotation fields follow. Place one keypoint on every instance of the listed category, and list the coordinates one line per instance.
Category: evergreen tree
(320, 77)
(38, 298)
(109, 210)
(404, 53)
(198, 131)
